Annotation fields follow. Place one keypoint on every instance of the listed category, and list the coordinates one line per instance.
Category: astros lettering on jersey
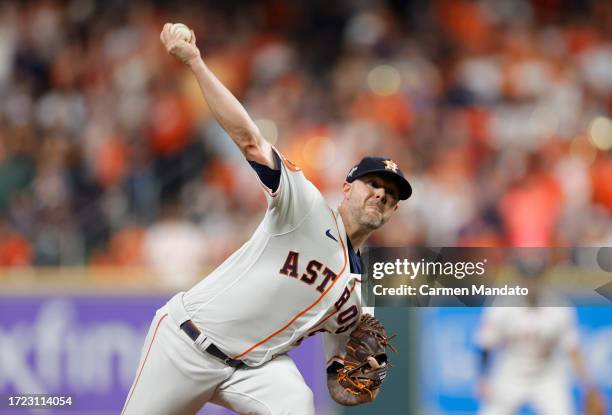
(292, 279)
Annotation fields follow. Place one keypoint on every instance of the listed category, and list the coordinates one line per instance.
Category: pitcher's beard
(371, 220)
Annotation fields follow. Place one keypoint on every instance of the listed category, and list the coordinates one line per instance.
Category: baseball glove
(594, 403)
(366, 362)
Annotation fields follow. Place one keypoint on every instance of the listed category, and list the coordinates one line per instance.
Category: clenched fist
(184, 50)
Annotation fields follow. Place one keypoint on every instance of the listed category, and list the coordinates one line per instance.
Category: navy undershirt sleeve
(268, 176)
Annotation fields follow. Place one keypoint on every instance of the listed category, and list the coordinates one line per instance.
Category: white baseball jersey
(290, 280)
(531, 363)
(530, 339)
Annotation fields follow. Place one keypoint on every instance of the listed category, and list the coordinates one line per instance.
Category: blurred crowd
(498, 112)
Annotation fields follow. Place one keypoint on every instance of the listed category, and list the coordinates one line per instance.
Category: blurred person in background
(526, 351)
(174, 247)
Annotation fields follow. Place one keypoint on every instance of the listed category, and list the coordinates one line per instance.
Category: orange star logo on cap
(390, 165)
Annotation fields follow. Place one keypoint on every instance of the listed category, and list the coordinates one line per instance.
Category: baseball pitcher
(226, 339)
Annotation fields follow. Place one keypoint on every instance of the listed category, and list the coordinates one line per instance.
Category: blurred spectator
(15, 250)
(530, 209)
(174, 248)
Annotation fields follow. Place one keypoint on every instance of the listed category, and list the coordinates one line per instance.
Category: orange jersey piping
(301, 313)
(143, 362)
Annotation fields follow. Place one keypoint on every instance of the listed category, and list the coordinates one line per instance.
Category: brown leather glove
(366, 362)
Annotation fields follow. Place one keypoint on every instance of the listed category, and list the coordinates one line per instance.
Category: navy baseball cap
(381, 165)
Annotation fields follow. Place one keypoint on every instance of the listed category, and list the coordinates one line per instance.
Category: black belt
(194, 332)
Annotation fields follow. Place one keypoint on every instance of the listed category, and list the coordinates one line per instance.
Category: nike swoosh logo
(328, 233)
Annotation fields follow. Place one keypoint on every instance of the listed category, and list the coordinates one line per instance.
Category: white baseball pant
(549, 393)
(176, 376)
